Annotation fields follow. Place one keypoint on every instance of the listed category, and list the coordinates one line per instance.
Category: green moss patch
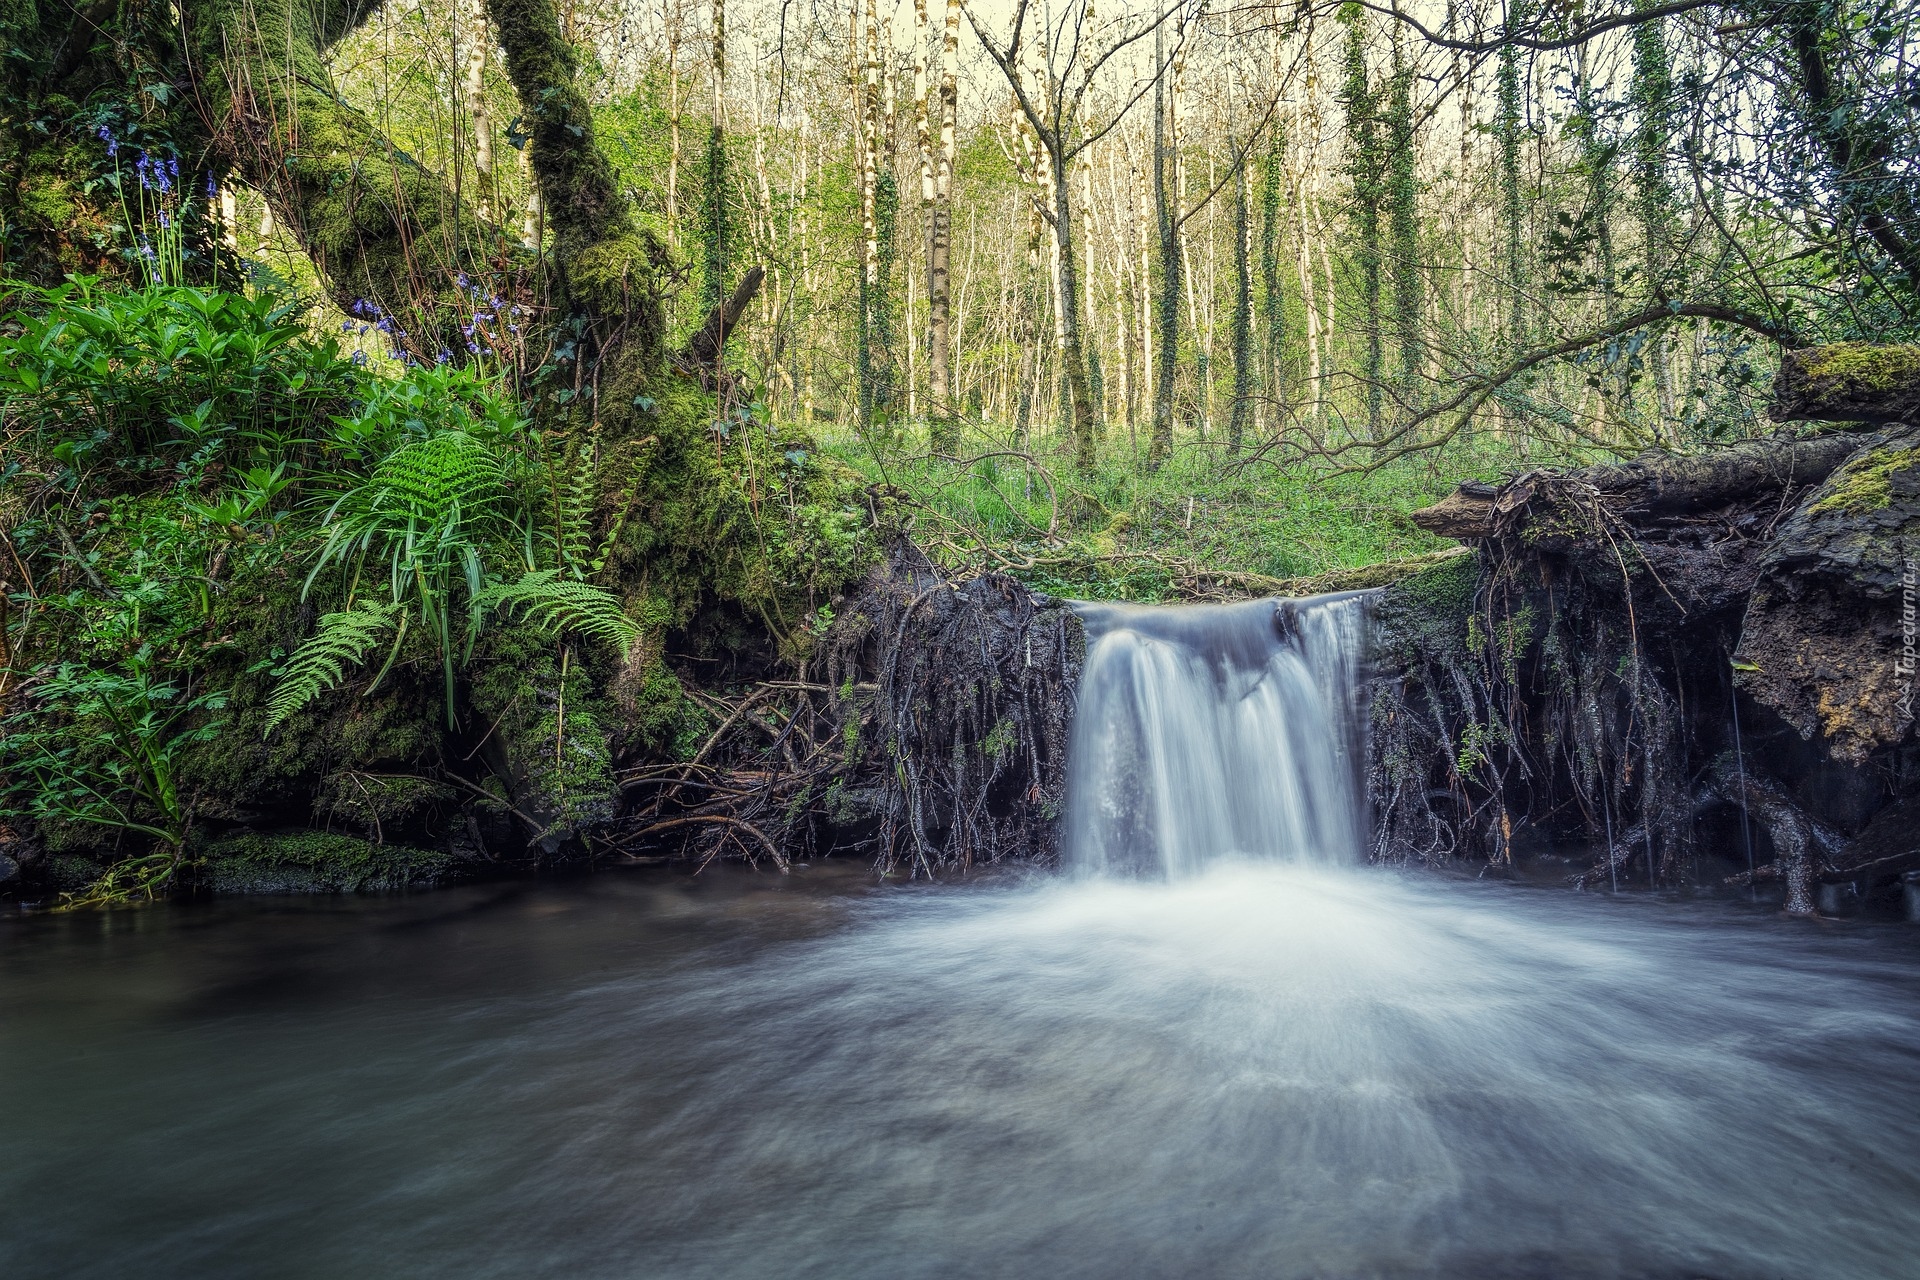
(318, 862)
(1863, 368)
(1865, 483)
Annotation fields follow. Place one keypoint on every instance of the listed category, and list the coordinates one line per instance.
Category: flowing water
(1217, 731)
(1269, 1062)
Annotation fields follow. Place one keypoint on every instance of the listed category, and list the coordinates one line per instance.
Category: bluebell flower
(213, 188)
(164, 224)
(359, 357)
(443, 356)
(106, 135)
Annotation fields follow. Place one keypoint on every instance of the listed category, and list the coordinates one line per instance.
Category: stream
(1262, 1070)
(1216, 1045)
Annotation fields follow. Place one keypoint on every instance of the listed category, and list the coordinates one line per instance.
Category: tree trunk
(382, 231)
(1273, 308)
(1243, 371)
(1167, 223)
(942, 412)
(1658, 488)
(1073, 354)
(478, 38)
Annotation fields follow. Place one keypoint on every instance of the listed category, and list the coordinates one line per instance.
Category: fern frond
(319, 664)
(556, 603)
(436, 479)
(575, 532)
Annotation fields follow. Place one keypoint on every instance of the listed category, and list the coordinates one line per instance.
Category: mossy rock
(318, 862)
(551, 736)
(1865, 483)
(1862, 526)
(1848, 382)
(70, 873)
(1425, 615)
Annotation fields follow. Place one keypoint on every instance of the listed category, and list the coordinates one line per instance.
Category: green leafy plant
(428, 511)
(101, 746)
(343, 640)
(558, 603)
(433, 511)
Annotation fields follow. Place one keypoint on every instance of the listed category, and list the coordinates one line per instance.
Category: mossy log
(1848, 382)
(1653, 487)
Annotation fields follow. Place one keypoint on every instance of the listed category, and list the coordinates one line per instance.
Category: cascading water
(1269, 1067)
(1216, 731)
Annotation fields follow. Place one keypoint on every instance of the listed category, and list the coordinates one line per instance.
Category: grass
(1201, 525)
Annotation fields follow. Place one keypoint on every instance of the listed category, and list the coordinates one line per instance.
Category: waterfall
(1211, 731)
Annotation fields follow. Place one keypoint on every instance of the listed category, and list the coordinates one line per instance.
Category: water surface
(1264, 1071)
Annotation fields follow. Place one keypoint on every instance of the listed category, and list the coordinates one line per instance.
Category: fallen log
(1657, 486)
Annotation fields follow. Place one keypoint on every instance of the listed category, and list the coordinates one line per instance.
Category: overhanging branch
(1463, 404)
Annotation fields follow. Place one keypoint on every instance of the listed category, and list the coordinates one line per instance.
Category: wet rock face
(1826, 637)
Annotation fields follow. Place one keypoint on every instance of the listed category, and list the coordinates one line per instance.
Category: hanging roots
(962, 758)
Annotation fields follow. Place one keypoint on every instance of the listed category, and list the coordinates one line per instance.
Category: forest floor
(1206, 523)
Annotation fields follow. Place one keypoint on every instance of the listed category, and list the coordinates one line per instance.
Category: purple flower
(443, 356)
(213, 188)
(359, 357)
(106, 135)
(164, 224)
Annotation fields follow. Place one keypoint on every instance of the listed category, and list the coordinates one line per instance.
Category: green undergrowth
(252, 579)
(1202, 525)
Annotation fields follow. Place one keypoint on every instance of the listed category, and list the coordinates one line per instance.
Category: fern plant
(429, 510)
(343, 640)
(432, 511)
(558, 603)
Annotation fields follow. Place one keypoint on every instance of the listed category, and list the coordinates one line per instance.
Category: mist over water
(1242, 1054)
